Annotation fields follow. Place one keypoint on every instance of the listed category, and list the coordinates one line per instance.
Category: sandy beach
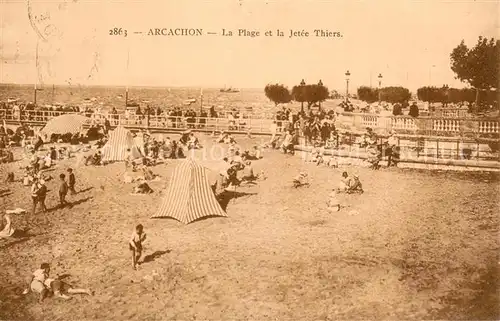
(415, 245)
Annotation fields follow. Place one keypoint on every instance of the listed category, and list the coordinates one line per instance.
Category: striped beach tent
(189, 195)
(119, 141)
(68, 123)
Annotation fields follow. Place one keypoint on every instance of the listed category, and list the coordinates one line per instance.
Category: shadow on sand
(69, 205)
(154, 256)
(19, 236)
(85, 190)
(5, 192)
(225, 197)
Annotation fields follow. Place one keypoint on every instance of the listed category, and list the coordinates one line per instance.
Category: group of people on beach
(239, 170)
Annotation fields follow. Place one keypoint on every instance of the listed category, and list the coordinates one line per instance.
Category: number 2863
(118, 32)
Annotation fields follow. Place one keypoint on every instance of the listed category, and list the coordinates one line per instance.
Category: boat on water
(189, 101)
(229, 90)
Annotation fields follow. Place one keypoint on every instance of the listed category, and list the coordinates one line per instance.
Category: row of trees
(310, 94)
(479, 67)
(447, 95)
(388, 94)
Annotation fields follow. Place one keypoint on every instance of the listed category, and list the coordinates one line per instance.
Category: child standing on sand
(63, 191)
(135, 244)
(72, 181)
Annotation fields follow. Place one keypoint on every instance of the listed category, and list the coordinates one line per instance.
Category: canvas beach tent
(189, 195)
(119, 141)
(64, 124)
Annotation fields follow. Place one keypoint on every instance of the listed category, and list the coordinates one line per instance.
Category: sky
(408, 42)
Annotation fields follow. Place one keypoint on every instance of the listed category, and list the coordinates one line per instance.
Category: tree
(335, 94)
(395, 94)
(298, 94)
(311, 94)
(278, 94)
(445, 95)
(477, 66)
(368, 94)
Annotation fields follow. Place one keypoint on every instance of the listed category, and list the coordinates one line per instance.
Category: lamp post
(446, 95)
(379, 87)
(320, 83)
(347, 75)
(302, 84)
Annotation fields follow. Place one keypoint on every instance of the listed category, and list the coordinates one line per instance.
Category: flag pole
(201, 100)
(36, 75)
(126, 89)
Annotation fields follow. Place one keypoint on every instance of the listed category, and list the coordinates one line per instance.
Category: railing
(434, 125)
(429, 125)
(256, 126)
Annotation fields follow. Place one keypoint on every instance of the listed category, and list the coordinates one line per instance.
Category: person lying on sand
(60, 289)
(135, 244)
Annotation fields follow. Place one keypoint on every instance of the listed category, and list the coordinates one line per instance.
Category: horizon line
(188, 86)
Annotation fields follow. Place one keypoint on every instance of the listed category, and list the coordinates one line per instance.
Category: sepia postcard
(249, 160)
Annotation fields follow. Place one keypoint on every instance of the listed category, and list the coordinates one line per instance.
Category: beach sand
(415, 245)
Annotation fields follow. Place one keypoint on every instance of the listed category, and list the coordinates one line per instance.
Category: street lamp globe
(380, 76)
(302, 83)
(347, 75)
(320, 83)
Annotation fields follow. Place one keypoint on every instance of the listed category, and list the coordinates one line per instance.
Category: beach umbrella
(68, 123)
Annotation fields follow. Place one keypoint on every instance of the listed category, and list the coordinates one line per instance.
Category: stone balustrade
(424, 123)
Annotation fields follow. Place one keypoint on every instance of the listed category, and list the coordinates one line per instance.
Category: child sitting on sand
(333, 202)
(143, 188)
(317, 155)
(248, 174)
(345, 182)
(9, 178)
(36, 282)
(332, 162)
(355, 185)
(253, 154)
(135, 244)
(300, 180)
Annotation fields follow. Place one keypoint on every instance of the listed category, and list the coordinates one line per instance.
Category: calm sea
(107, 97)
